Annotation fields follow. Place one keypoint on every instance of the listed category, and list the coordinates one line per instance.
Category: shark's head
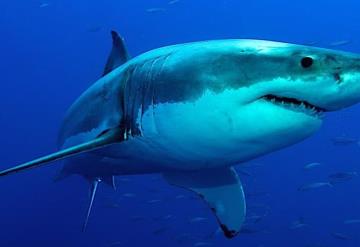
(252, 97)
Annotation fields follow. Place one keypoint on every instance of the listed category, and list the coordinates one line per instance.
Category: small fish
(157, 218)
(255, 218)
(44, 5)
(180, 197)
(154, 190)
(246, 230)
(116, 244)
(155, 178)
(311, 43)
(184, 238)
(258, 206)
(354, 221)
(197, 219)
(161, 230)
(167, 217)
(137, 218)
(340, 236)
(129, 195)
(154, 201)
(298, 226)
(94, 29)
(257, 194)
(340, 43)
(344, 140)
(300, 223)
(312, 165)
(214, 233)
(173, 2)
(312, 186)
(316, 245)
(155, 10)
(342, 176)
(111, 205)
(200, 244)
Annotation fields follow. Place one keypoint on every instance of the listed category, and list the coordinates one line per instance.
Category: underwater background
(51, 51)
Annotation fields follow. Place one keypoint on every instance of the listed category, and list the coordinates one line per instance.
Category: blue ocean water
(53, 50)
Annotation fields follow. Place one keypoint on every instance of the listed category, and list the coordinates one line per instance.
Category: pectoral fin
(221, 189)
(107, 138)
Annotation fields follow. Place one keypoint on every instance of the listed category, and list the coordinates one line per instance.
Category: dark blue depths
(53, 50)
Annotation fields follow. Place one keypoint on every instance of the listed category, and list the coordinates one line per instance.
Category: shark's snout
(343, 93)
(325, 81)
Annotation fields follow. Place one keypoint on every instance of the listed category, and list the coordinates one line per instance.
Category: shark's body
(166, 117)
(193, 111)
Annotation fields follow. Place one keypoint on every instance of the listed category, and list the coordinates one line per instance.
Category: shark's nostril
(337, 77)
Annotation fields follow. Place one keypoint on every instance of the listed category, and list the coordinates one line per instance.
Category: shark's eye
(307, 62)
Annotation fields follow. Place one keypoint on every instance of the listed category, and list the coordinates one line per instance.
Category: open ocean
(53, 50)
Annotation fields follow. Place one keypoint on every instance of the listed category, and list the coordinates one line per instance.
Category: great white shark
(193, 111)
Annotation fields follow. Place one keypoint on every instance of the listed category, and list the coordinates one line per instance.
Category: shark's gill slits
(294, 103)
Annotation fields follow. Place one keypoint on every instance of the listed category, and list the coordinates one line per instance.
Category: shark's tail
(107, 138)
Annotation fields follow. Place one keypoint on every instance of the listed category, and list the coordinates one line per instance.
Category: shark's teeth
(297, 105)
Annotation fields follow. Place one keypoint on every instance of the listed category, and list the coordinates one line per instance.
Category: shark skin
(193, 111)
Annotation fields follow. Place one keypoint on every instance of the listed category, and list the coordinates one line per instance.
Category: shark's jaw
(226, 127)
(294, 104)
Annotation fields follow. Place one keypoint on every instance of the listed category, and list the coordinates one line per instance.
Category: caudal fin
(109, 137)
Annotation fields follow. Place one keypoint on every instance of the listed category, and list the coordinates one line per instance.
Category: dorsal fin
(107, 138)
(118, 55)
(93, 189)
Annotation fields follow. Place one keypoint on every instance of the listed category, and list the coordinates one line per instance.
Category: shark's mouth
(294, 104)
